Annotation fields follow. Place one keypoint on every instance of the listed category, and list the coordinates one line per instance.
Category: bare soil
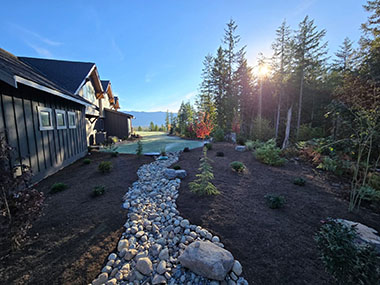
(275, 246)
(69, 243)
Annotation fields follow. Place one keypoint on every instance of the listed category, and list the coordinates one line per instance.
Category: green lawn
(156, 141)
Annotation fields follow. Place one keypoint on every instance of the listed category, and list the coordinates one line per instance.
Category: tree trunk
(300, 104)
(278, 114)
(287, 131)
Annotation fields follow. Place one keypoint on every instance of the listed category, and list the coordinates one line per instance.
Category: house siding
(45, 152)
(117, 124)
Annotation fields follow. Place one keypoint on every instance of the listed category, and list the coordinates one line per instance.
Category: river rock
(240, 148)
(144, 266)
(207, 259)
(181, 173)
(170, 173)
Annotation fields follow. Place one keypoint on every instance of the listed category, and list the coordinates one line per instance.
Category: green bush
(346, 261)
(98, 191)
(176, 167)
(374, 181)
(105, 166)
(263, 133)
(208, 146)
(237, 166)
(274, 201)
(334, 165)
(252, 145)
(306, 133)
(368, 193)
(218, 135)
(220, 153)
(139, 149)
(58, 187)
(299, 181)
(86, 161)
(186, 149)
(269, 154)
(114, 154)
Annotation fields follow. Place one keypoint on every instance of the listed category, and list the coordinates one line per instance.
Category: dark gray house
(41, 119)
(82, 79)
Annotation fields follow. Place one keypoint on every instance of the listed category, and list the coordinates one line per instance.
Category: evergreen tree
(345, 56)
(202, 185)
(151, 126)
(167, 121)
(205, 99)
(282, 66)
(244, 88)
(310, 54)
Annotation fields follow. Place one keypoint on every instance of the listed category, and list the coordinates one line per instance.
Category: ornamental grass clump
(347, 261)
(238, 166)
(86, 161)
(202, 185)
(269, 154)
(58, 187)
(105, 166)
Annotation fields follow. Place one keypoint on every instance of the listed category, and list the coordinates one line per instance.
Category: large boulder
(207, 259)
(364, 234)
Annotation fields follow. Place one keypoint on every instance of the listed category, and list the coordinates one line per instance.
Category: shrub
(105, 166)
(220, 153)
(98, 191)
(139, 149)
(186, 149)
(58, 187)
(374, 181)
(252, 145)
(299, 181)
(269, 154)
(203, 185)
(218, 135)
(274, 201)
(208, 146)
(237, 166)
(346, 261)
(176, 167)
(306, 133)
(86, 161)
(334, 165)
(263, 133)
(114, 154)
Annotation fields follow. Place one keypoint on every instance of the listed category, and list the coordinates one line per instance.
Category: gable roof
(105, 84)
(68, 74)
(13, 70)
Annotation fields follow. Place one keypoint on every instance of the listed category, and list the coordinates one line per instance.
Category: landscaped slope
(275, 246)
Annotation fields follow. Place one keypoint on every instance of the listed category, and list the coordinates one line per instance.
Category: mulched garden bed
(69, 243)
(275, 246)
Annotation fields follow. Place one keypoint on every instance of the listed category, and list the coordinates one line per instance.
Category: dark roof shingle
(68, 74)
(12, 66)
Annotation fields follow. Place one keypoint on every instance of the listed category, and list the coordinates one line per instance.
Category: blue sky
(152, 51)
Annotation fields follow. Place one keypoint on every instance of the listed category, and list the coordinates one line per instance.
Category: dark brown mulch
(69, 243)
(274, 246)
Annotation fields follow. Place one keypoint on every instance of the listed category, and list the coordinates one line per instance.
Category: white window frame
(75, 119)
(62, 112)
(50, 111)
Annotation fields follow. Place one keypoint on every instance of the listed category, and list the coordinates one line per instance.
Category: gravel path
(156, 235)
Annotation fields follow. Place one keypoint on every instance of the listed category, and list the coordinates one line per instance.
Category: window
(89, 92)
(60, 116)
(72, 120)
(45, 118)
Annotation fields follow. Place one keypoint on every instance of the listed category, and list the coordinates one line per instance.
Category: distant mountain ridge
(143, 119)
